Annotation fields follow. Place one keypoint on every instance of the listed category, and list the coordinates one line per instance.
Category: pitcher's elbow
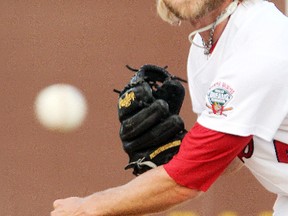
(185, 194)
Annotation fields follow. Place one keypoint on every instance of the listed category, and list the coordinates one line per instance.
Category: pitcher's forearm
(151, 192)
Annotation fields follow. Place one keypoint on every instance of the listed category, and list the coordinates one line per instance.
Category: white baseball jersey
(242, 89)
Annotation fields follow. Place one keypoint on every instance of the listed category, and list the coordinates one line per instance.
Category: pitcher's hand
(68, 207)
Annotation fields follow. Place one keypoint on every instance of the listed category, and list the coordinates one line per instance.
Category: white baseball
(60, 107)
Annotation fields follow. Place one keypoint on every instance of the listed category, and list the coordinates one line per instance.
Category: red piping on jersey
(213, 47)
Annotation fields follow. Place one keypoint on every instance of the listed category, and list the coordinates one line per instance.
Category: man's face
(192, 10)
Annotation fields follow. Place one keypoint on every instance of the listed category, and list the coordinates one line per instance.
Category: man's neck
(211, 18)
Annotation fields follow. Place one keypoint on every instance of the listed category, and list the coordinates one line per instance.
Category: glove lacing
(140, 162)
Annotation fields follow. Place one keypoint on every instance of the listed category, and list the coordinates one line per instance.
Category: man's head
(174, 11)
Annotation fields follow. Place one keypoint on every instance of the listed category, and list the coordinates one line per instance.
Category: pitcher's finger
(57, 203)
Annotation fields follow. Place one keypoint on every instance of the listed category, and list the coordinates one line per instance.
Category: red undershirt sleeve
(203, 156)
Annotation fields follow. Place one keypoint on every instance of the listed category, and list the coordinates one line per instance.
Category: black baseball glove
(148, 108)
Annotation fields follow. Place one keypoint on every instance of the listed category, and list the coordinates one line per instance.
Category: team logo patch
(218, 97)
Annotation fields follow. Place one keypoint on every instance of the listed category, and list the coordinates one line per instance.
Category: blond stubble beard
(193, 10)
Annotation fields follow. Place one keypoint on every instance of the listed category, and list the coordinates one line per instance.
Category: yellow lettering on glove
(164, 148)
(127, 100)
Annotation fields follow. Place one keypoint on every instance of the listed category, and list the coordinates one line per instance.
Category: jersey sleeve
(203, 156)
(249, 93)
